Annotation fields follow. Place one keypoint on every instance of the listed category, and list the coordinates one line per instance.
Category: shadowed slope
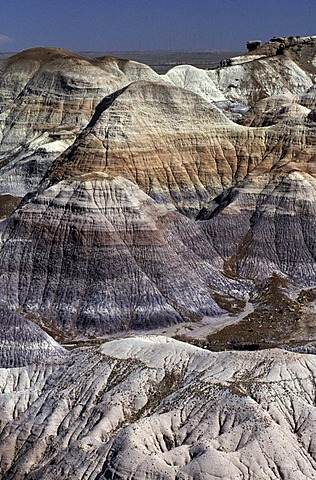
(22, 342)
(96, 255)
(268, 224)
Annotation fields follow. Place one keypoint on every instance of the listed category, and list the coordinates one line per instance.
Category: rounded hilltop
(42, 54)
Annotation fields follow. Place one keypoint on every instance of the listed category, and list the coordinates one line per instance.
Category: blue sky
(105, 25)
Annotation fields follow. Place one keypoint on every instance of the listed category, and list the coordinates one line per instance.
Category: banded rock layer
(102, 247)
(268, 224)
(47, 95)
(90, 253)
(179, 148)
(93, 254)
(22, 342)
(96, 255)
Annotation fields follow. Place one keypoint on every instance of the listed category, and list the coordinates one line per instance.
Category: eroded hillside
(148, 407)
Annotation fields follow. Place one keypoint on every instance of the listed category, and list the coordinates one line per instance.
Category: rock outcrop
(253, 44)
(249, 78)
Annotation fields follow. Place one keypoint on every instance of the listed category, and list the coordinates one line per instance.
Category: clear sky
(105, 25)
